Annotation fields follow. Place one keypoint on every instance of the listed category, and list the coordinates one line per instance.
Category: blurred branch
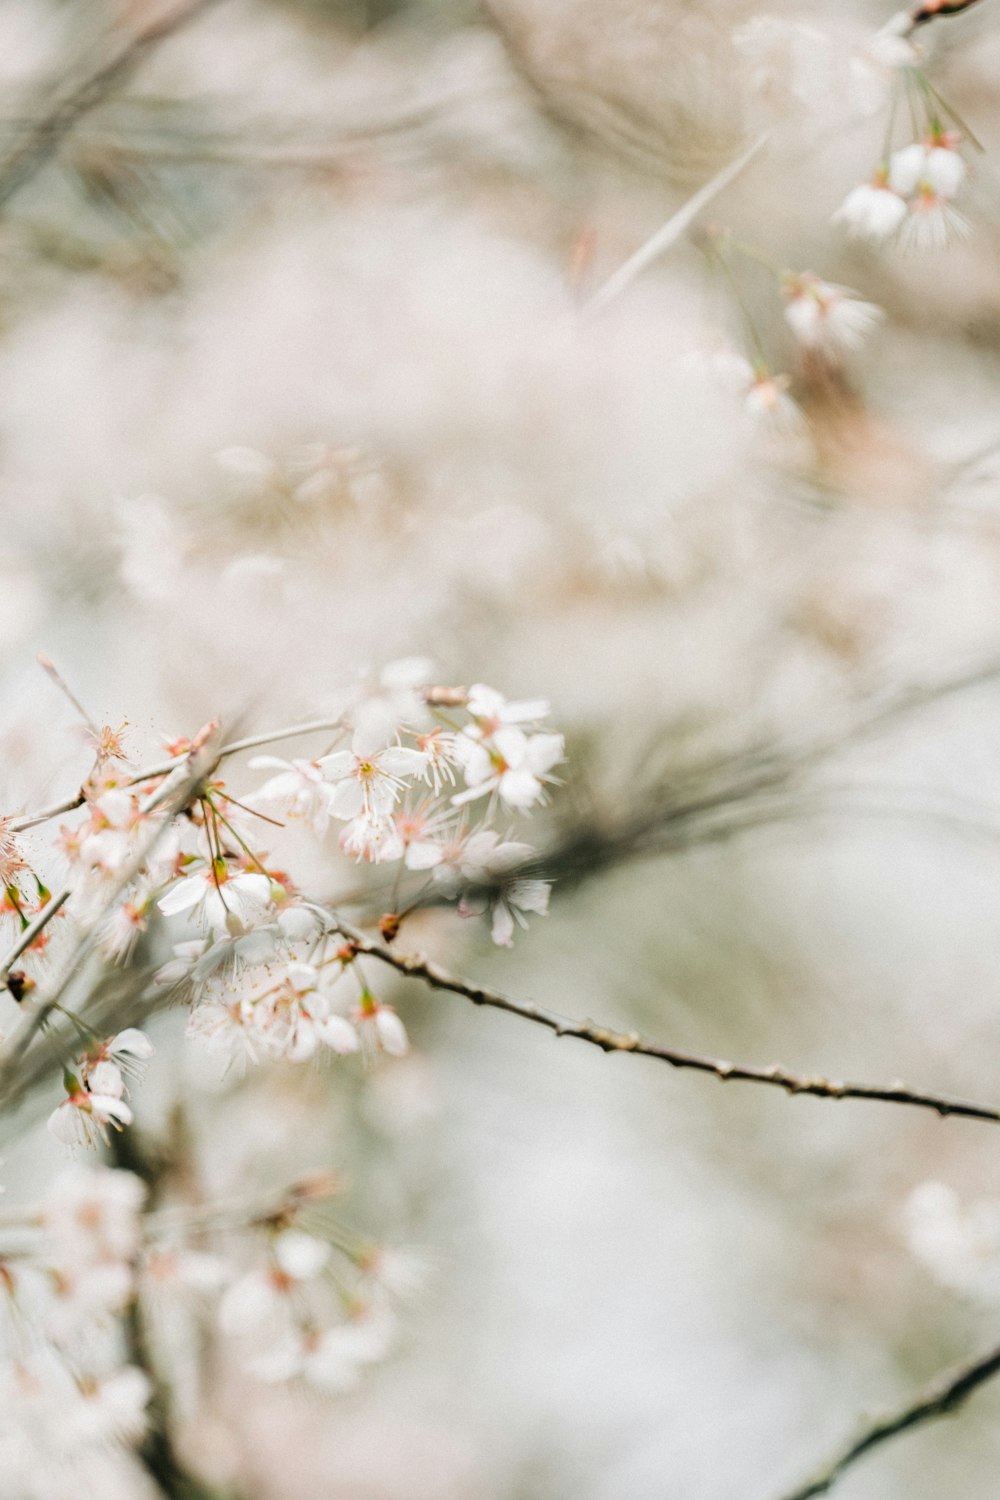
(78, 97)
(945, 1394)
(417, 967)
(157, 1452)
(669, 233)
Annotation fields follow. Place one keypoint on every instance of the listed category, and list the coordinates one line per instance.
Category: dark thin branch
(417, 967)
(945, 1394)
(157, 1452)
(40, 143)
(934, 9)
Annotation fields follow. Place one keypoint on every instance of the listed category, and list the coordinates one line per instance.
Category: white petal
(545, 751)
(182, 896)
(398, 761)
(391, 1032)
(907, 168)
(338, 1034)
(520, 789)
(133, 1041)
(300, 1255)
(338, 765)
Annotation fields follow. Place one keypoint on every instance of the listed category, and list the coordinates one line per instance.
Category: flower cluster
(309, 1308)
(911, 194)
(412, 776)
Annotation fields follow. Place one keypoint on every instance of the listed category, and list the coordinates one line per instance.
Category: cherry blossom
(299, 791)
(225, 901)
(507, 761)
(827, 317)
(369, 778)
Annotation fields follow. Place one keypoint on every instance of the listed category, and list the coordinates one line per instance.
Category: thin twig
(39, 144)
(945, 1394)
(415, 966)
(164, 767)
(669, 233)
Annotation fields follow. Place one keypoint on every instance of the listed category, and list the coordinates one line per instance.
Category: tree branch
(415, 966)
(41, 142)
(945, 1394)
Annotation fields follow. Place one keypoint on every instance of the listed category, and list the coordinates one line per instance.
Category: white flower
(294, 1018)
(369, 778)
(225, 902)
(769, 403)
(507, 761)
(334, 1361)
(380, 1028)
(939, 168)
(92, 1213)
(331, 1359)
(370, 839)
(299, 791)
(510, 906)
(299, 1255)
(827, 317)
(126, 1053)
(871, 211)
(959, 1244)
(491, 709)
(932, 222)
(439, 747)
(122, 928)
(112, 1409)
(479, 858)
(397, 702)
(83, 1117)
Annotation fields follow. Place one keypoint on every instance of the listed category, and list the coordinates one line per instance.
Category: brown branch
(415, 966)
(41, 142)
(944, 1394)
(935, 8)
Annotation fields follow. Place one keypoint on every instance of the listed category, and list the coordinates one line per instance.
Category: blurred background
(298, 376)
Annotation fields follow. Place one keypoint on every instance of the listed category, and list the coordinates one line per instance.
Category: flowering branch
(177, 793)
(944, 1394)
(164, 767)
(417, 967)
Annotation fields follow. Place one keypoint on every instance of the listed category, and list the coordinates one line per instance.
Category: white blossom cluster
(76, 1272)
(412, 776)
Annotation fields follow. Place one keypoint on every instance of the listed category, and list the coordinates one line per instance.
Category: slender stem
(669, 233)
(944, 1394)
(163, 768)
(417, 967)
(38, 923)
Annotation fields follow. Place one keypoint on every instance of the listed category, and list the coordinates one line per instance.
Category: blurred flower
(827, 317)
